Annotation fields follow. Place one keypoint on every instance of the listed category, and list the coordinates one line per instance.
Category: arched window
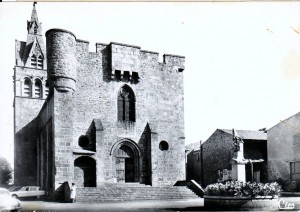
(126, 104)
(38, 89)
(27, 88)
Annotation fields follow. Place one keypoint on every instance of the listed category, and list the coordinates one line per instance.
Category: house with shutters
(284, 150)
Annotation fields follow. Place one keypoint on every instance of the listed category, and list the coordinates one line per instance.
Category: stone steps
(133, 192)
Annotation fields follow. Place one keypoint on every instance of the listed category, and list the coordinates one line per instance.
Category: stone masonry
(111, 116)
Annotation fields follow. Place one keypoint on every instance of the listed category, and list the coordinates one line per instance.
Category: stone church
(113, 116)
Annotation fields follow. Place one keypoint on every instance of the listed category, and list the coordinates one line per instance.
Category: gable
(32, 49)
(289, 122)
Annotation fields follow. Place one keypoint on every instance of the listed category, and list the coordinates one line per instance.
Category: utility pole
(201, 155)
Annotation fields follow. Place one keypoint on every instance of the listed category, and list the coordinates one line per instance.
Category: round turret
(61, 66)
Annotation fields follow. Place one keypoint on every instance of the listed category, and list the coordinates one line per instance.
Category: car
(26, 191)
(7, 202)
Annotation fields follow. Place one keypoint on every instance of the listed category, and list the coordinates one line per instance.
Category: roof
(248, 134)
(285, 121)
(192, 146)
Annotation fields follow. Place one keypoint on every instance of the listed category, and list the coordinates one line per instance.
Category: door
(120, 169)
(129, 170)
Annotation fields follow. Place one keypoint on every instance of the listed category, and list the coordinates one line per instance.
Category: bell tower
(30, 74)
(30, 91)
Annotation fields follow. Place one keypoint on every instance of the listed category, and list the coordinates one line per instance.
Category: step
(121, 192)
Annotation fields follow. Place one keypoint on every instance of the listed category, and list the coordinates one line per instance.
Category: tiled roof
(249, 134)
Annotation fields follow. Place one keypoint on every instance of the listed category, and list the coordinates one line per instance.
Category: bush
(240, 189)
(5, 171)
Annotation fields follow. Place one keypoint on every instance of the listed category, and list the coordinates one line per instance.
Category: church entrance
(126, 163)
(85, 172)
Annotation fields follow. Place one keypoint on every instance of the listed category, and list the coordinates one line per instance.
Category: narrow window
(126, 104)
(46, 89)
(295, 170)
(35, 29)
(38, 89)
(40, 62)
(27, 88)
(33, 60)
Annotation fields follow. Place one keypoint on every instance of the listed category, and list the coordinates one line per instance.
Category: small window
(135, 77)
(163, 146)
(118, 75)
(295, 170)
(40, 62)
(126, 76)
(38, 89)
(46, 89)
(27, 88)
(33, 60)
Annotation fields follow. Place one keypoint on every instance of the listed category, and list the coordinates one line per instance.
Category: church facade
(106, 117)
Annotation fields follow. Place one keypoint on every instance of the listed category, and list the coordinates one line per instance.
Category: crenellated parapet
(61, 54)
(175, 61)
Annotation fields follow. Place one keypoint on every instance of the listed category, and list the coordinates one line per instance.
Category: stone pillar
(238, 164)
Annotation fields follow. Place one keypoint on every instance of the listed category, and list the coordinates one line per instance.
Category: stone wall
(217, 154)
(45, 148)
(83, 102)
(282, 147)
(194, 166)
(95, 97)
(26, 109)
(25, 163)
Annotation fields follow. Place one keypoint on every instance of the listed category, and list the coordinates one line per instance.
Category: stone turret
(61, 50)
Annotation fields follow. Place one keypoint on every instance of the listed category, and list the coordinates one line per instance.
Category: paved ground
(147, 205)
(150, 205)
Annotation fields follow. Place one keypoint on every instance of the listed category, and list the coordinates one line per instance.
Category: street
(146, 205)
(283, 204)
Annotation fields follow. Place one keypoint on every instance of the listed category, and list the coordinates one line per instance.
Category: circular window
(163, 146)
(83, 141)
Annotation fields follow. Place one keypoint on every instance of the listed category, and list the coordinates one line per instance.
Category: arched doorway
(85, 172)
(127, 164)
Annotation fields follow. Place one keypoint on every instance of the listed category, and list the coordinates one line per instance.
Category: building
(223, 159)
(284, 150)
(106, 117)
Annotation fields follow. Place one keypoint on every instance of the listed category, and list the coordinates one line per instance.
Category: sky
(242, 66)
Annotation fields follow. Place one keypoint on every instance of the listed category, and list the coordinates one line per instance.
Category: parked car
(7, 203)
(26, 191)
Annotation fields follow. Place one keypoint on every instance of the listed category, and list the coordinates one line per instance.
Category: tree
(5, 171)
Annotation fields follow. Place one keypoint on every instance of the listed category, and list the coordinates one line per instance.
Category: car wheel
(14, 196)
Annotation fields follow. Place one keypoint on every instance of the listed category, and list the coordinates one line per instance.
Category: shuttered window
(295, 170)
(46, 89)
(27, 88)
(38, 89)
